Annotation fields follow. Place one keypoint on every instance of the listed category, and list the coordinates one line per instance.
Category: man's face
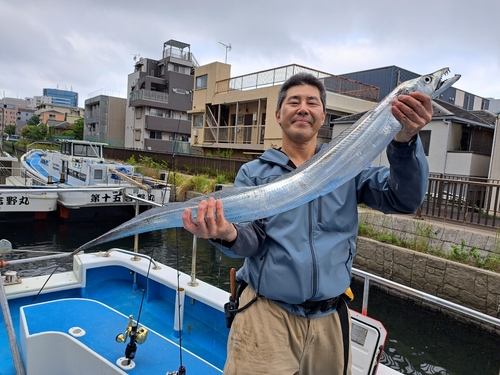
(301, 114)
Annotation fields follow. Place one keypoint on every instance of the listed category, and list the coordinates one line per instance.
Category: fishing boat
(15, 200)
(84, 178)
(122, 312)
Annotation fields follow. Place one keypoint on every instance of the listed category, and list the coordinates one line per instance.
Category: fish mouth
(443, 84)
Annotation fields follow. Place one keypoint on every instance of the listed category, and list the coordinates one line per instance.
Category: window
(98, 174)
(155, 135)
(201, 82)
(198, 121)
(156, 112)
(425, 137)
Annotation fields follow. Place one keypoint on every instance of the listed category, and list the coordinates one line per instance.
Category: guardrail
(462, 310)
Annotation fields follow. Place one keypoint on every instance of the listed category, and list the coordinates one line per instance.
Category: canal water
(420, 342)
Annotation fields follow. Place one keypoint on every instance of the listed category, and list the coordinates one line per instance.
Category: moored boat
(90, 179)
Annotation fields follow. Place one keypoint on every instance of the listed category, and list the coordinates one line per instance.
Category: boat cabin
(83, 149)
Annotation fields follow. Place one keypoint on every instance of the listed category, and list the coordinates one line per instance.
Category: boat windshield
(92, 151)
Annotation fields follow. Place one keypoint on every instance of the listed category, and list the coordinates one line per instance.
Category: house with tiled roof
(456, 141)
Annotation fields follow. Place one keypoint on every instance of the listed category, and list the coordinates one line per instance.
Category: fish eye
(427, 79)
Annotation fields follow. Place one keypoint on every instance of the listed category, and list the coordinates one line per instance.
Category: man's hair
(298, 80)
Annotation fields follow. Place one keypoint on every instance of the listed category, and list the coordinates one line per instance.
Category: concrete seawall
(468, 286)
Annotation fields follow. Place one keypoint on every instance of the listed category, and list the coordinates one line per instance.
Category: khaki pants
(267, 339)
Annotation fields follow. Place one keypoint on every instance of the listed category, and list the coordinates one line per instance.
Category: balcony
(279, 75)
(238, 135)
(467, 163)
(142, 98)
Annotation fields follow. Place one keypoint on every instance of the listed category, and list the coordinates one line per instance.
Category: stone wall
(468, 286)
(433, 234)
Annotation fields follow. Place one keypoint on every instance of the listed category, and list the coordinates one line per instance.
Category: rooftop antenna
(228, 48)
(136, 55)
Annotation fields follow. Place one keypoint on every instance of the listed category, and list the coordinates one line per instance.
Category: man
(298, 264)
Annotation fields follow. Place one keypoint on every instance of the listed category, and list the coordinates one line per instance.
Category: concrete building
(236, 116)
(23, 116)
(389, 77)
(494, 105)
(105, 120)
(62, 97)
(159, 99)
(35, 101)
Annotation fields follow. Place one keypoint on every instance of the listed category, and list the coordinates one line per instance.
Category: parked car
(13, 138)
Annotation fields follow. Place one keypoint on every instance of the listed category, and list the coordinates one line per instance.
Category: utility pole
(228, 48)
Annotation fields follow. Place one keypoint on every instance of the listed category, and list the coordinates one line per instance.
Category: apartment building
(236, 116)
(159, 98)
(105, 120)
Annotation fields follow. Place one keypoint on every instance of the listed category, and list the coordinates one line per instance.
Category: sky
(88, 46)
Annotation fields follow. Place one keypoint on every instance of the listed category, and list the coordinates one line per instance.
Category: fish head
(432, 84)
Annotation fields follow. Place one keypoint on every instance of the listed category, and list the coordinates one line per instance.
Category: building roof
(443, 110)
(59, 124)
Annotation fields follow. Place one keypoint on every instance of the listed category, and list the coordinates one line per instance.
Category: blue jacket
(306, 254)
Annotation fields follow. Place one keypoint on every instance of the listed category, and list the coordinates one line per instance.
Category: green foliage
(34, 120)
(225, 153)
(35, 133)
(10, 129)
(131, 160)
(78, 128)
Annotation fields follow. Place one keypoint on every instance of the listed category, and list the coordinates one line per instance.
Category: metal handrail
(416, 293)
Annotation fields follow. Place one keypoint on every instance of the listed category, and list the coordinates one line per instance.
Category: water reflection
(420, 342)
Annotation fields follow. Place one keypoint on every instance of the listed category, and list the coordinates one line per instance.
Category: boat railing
(368, 278)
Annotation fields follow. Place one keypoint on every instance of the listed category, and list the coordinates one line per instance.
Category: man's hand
(413, 111)
(209, 222)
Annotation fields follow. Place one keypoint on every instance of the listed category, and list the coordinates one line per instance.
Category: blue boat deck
(119, 293)
(34, 162)
(157, 355)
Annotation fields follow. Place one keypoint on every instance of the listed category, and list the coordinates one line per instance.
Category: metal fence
(463, 200)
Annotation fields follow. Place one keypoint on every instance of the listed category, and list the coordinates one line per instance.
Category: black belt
(324, 305)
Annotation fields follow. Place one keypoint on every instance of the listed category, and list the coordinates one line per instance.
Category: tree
(10, 129)
(78, 128)
(34, 133)
(34, 120)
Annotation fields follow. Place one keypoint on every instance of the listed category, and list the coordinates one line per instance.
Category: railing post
(193, 281)
(366, 293)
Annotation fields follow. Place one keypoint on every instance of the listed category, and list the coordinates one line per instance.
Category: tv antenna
(228, 48)
(136, 55)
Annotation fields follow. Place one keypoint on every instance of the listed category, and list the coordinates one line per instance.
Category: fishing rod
(182, 369)
(133, 332)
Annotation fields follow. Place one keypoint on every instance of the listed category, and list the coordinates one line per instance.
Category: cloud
(90, 45)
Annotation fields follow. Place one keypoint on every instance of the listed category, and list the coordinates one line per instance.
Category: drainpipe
(447, 122)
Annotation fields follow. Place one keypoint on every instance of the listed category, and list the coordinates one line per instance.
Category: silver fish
(342, 159)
